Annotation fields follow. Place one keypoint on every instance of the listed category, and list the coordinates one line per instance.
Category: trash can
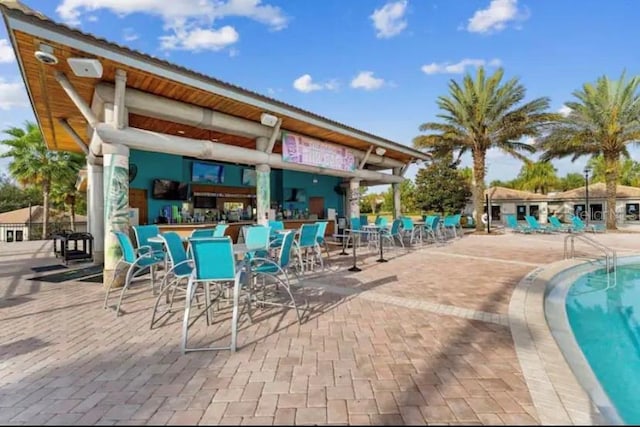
(72, 246)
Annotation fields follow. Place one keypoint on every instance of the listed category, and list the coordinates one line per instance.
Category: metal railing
(610, 255)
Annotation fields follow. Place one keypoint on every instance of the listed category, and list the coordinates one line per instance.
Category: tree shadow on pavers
(468, 361)
(23, 346)
(13, 301)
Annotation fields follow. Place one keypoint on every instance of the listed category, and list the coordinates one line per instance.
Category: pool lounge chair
(512, 224)
(580, 226)
(536, 226)
(556, 225)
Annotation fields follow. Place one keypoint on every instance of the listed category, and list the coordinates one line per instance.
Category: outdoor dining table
(379, 230)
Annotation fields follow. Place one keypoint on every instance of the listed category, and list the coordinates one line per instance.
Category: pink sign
(307, 151)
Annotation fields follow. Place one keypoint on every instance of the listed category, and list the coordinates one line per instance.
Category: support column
(263, 185)
(116, 203)
(95, 207)
(354, 198)
(397, 202)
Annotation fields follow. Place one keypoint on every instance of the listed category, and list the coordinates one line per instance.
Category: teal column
(116, 203)
(263, 193)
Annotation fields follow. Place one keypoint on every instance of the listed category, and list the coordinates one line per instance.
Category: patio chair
(307, 241)
(257, 239)
(267, 268)
(180, 267)
(394, 233)
(432, 226)
(355, 225)
(220, 230)
(275, 237)
(535, 225)
(364, 220)
(452, 223)
(556, 225)
(197, 234)
(143, 233)
(222, 271)
(135, 262)
(408, 229)
(320, 238)
(512, 224)
(580, 226)
(382, 222)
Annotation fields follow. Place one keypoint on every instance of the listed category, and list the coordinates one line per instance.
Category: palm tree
(571, 181)
(536, 176)
(629, 170)
(483, 113)
(63, 188)
(34, 165)
(604, 119)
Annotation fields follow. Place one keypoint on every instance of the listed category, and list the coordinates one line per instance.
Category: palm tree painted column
(354, 198)
(481, 113)
(116, 203)
(263, 185)
(604, 119)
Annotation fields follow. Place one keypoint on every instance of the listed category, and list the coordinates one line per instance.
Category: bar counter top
(184, 229)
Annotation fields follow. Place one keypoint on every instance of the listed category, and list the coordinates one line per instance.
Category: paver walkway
(421, 339)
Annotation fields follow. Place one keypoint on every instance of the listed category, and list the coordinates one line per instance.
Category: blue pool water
(606, 325)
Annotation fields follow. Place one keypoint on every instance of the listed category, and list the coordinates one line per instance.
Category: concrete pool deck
(424, 338)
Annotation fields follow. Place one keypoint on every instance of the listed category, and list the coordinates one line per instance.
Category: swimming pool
(605, 321)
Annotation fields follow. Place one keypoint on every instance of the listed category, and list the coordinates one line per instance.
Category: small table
(353, 245)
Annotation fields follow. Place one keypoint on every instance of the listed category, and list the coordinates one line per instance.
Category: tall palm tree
(34, 165)
(538, 176)
(604, 119)
(480, 113)
(63, 188)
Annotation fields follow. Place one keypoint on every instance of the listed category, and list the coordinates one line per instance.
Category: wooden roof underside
(51, 103)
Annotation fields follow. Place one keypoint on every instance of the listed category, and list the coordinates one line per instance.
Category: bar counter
(233, 231)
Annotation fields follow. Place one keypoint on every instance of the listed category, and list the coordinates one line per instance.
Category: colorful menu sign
(307, 151)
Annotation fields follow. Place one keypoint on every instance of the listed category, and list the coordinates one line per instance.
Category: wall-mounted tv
(207, 172)
(249, 177)
(166, 189)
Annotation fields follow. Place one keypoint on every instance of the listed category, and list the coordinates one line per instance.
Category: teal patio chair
(142, 234)
(320, 237)
(220, 230)
(308, 248)
(257, 239)
(432, 227)
(556, 225)
(535, 225)
(276, 270)
(275, 237)
(205, 271)
(364, 220)
(408, 229)
(580, 226)
(395, 233)
(180, 267)
(382, 222)
(452, 223)
(512, 224)
(134, 262)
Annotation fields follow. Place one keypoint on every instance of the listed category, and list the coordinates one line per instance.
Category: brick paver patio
(421, 339)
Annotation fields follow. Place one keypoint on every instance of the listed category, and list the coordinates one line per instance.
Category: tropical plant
(407, 197)
(13, 197)
(604, 119)
(480, 113)
(571, 181)
(440, 187)
(629, 171)
(537, 176)
(32, 164)
(64, 194)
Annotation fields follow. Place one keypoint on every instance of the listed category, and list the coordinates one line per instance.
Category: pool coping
(556, 393)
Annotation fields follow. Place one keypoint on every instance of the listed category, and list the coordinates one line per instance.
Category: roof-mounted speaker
(85, 67)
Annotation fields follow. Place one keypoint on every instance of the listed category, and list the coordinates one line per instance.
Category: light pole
(587, 169)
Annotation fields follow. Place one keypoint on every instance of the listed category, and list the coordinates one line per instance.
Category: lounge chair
(536, 226)
(556, 225)
(580, 226)
(512, 224)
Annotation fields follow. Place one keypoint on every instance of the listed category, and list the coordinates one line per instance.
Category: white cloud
(564, 110)
(92, 18)
(306, 84)
(189, 23)
(199, 39)
(6, 51)
(365, 80)
(389, 19)
(495, 17)
(12, 95)
(130, 35)
(459, 67)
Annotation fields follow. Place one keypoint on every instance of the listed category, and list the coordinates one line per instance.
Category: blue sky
(375, 65)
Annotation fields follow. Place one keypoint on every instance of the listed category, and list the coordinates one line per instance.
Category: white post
(354, 198)
(263, 185)
(95, 205)
(116, 201)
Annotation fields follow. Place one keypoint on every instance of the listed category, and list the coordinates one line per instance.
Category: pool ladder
(610, 256)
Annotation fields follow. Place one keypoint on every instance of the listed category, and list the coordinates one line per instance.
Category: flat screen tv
(166, 189)
(249, 177)
(207, 172)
